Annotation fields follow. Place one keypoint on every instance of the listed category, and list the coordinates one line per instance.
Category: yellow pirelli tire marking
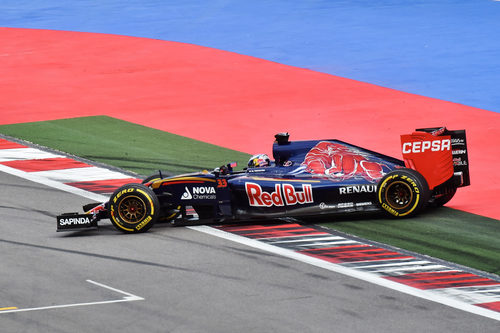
(149, 199)
(118, 223)
(382, 186)
(417, 200)
(406, 180)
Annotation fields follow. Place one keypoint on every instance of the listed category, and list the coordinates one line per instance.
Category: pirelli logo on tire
(119, 194)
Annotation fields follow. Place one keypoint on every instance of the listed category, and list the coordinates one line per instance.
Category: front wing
(87, 220)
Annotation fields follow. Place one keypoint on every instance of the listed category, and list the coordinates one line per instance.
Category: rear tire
(403, 193)
(133, 208)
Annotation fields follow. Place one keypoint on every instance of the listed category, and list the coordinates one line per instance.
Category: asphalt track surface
(174, 279)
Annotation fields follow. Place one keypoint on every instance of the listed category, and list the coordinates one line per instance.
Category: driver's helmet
(259, 161)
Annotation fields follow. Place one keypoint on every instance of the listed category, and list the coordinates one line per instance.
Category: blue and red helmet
(259, 161)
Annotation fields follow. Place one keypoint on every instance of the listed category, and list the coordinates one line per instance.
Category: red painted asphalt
(227, 99)
(44, 164)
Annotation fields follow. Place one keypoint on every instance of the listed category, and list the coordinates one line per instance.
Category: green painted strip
(125, 145)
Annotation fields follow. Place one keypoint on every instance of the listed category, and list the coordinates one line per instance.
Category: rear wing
(439, 154)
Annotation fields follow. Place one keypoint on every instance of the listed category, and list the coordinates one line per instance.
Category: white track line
(87, 174)
(18, 154)
(37, 178)
(128, 298)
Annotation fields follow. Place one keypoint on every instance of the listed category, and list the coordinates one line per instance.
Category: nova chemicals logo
(199, 193)
(186, 195)
(282, 195)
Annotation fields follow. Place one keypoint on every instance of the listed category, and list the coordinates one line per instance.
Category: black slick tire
(133, 208)
(403, 193)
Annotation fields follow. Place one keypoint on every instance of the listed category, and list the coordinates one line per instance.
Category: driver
(259, 161)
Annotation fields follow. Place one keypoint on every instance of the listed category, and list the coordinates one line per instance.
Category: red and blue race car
(306, 180)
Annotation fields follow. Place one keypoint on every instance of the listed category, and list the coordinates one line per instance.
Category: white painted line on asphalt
(371, 264)
(473, 295)
(128, 298)
(365, 276)
(73, 175)
(17, 154)
(34, 177)
(403, 270)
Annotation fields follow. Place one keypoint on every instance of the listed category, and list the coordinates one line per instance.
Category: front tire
(168, 214)
(133, 208)
(403, 193)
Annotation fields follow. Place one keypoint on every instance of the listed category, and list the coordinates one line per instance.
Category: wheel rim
(132, 209)
(399, 195)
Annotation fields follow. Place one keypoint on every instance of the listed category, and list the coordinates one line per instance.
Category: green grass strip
(459, 237)
(125, 145)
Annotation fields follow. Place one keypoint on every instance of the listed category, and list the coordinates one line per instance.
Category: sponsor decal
(459, 152)
(323, 205)
(283, 194)
(459, 162)
(199, 193)
(358, 189)
(186, 195)
(256, 170)
(345, 205)
(458, 142)
(74, 221)
(340, 205)
(423, 146)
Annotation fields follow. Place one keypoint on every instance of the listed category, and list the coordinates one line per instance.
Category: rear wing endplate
(439, 154)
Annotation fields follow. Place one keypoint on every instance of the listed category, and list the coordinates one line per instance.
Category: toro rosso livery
(307, 179)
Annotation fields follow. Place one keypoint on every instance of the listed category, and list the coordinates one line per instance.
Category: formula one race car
(308, 179)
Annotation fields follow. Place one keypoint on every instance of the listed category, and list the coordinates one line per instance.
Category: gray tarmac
(184, 280)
